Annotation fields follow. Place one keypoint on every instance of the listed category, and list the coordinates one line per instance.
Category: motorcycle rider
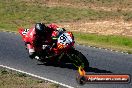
(40, 35)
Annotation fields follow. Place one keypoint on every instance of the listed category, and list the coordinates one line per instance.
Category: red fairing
(54, 33)
(20, 31)
(30, 36)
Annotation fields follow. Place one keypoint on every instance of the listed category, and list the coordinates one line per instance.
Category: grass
(98, 3)
(14, 14)
(108, 3)
(120, 43)
(12, 79)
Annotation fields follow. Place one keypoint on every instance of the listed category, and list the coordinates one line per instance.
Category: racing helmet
(40, 28)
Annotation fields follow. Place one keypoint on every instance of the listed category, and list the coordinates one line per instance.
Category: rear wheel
(78, 59)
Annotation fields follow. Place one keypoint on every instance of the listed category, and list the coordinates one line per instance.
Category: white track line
(37, 76)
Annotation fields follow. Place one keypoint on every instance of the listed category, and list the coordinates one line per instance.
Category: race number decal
(25, 31)
(64, 39)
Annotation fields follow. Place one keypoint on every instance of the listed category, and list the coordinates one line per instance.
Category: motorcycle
(63, 51)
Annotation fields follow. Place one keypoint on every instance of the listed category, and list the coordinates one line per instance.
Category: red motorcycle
(64, 50)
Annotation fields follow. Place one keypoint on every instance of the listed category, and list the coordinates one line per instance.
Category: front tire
(78, 59)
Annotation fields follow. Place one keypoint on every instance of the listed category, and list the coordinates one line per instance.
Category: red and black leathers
(34, 41)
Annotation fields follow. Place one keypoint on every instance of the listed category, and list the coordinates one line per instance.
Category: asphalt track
(14, 55)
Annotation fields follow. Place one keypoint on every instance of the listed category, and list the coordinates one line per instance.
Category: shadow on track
(70, 66)
(96, 70)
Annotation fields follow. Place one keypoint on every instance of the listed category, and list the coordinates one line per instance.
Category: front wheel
(78, 59)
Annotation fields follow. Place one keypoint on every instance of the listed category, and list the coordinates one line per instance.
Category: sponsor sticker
(83, 78)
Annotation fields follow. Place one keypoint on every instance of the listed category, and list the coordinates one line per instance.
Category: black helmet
(40, 28)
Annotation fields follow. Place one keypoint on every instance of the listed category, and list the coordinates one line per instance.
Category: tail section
(21, 30)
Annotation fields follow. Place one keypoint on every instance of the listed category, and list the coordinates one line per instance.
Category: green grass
(14, 14)
(12, 79)
(104, 3)
(120, 43)
(98, 3)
